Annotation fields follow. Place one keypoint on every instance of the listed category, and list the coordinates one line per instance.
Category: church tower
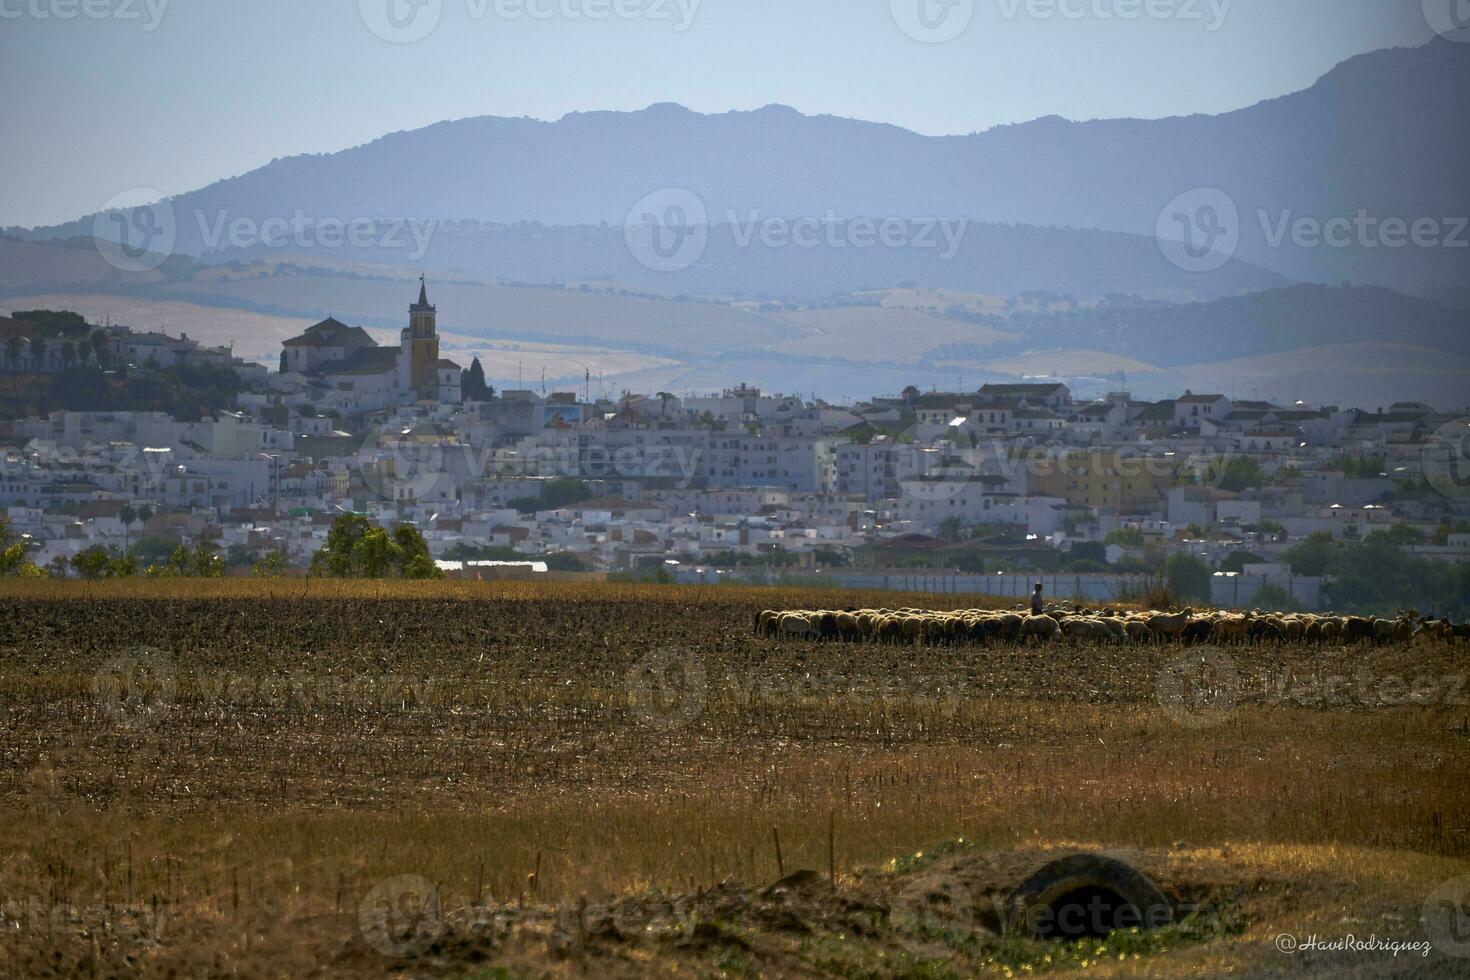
(422, 346)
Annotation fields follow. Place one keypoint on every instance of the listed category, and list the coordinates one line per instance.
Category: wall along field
(219, 774)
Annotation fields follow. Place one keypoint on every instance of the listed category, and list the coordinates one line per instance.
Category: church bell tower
(423, 347)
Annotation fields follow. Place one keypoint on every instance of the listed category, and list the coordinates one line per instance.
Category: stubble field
(245, 778)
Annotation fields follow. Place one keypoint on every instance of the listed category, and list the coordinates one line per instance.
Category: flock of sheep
(989, 627)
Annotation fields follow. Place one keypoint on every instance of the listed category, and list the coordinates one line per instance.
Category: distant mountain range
(1042, 251)
(1381, 135)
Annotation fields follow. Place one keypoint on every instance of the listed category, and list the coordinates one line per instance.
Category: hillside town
(984, 491)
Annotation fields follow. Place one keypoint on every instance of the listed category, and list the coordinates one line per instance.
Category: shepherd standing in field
(1038, 605)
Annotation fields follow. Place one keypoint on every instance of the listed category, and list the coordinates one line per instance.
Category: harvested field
(229, 773)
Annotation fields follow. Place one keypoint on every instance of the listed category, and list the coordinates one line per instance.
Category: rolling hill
(1274, 321)
(1336, 343)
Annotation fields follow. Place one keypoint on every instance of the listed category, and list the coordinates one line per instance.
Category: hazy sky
(97, 103)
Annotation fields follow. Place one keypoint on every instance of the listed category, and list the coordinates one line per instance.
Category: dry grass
(312, 739)
(296, 589)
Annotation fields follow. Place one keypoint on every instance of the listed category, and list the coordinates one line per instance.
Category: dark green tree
(1088, 551)
(554, 494)
(11, 553)
(565, 561)
(952, 529)
(1188, 577)
(1312, 556)
(206, 561)
(269, 565)
(152, 550)
(338, 557)
(472, 385)
(127, 515)
(357, 548)
(1273, 598)
(55, 323)
(1400, 534)
(1237, 560)
(91, 563)
(415, 560)
(378, 554)
(1240, 473)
